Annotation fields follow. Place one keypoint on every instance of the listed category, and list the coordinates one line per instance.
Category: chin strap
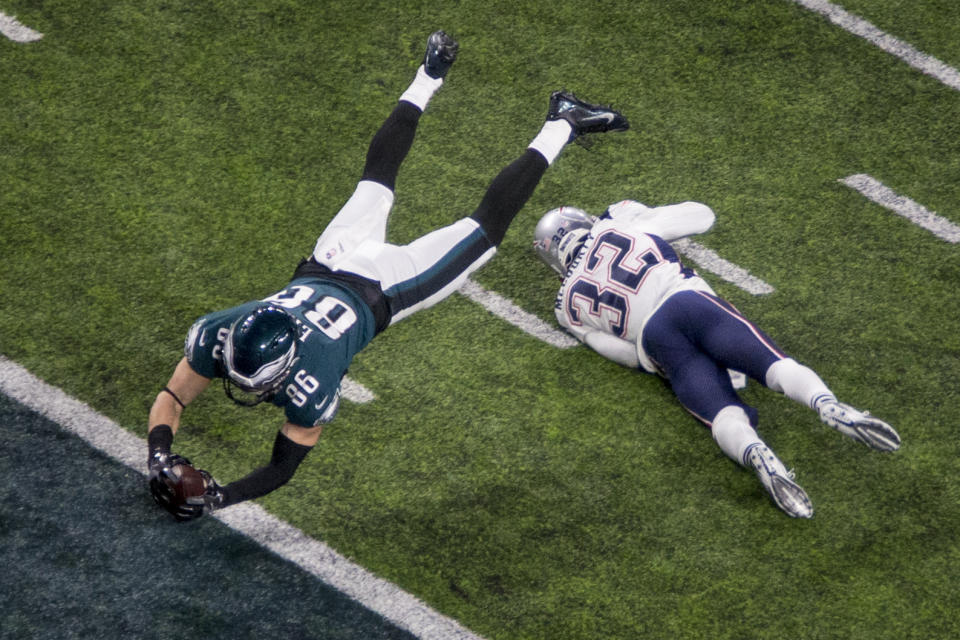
(228, 385)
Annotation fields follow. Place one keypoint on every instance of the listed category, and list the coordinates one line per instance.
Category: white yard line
(708, 260)
(11, 28)
(382, 597)
(507, 310)
(860, 27)
(916, 213)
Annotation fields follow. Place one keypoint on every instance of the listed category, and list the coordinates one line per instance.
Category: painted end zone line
(11, 28)
(916, 213)
(313, 556)
(860, 27)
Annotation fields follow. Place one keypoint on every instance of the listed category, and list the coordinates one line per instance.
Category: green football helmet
(259, 352)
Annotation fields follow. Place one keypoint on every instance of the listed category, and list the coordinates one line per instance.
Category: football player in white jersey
(626, 295)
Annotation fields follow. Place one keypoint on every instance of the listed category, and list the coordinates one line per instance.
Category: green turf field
(160, 160)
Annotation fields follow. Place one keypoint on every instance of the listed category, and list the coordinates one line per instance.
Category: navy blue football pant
(694, 338)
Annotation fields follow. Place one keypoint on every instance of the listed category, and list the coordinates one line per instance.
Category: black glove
(162, 483)
(211, 499)
(161, 479)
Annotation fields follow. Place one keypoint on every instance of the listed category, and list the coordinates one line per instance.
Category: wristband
(160, 439)
(174, 396)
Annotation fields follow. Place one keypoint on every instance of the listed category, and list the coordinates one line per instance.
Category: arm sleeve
(287, 456)
(613, 348)
(671, 222)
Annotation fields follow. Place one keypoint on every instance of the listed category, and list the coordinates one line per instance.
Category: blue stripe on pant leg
(408, 293)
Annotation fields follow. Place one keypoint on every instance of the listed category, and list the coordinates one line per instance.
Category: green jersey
(335, 323)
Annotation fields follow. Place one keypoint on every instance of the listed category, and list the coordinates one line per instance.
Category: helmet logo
(260, 350)
(560, 234)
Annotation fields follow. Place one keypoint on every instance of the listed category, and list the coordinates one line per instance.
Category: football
(189, 482)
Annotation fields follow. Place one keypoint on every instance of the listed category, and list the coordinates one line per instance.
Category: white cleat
(778, 482)
(860, 425)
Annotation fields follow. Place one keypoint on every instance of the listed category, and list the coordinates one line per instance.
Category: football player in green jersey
(293, 348)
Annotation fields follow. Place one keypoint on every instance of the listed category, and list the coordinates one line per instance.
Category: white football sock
(797, 382)
(732, 431)
(421, 89)
(551, 140)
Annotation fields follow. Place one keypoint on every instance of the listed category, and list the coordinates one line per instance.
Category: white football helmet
(560, 235)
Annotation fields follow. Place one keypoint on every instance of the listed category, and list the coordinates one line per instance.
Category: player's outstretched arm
(291, 446)
(172, 479)
(189, 493)
(670, 222)
(184, 386)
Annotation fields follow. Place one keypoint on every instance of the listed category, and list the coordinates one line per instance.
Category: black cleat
(441, 52)
(584, 117)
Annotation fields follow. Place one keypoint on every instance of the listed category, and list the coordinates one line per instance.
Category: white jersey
(624, 272)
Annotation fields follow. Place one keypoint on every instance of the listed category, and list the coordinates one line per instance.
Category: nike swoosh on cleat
(606, 117)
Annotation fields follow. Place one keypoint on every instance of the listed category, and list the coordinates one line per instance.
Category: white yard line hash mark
(380, 596)
(11, 28)
(356, 392)
(708, 260)
(916, 213)
(507, 310)
(860, 27)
